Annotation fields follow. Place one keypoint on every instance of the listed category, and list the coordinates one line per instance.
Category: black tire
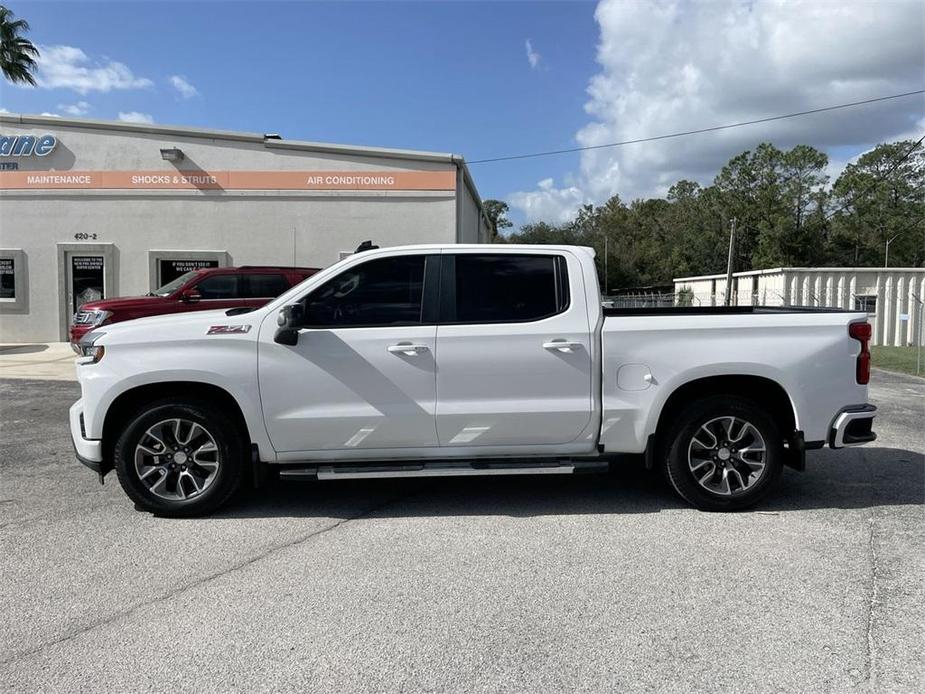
(682, 454)
(230, 453)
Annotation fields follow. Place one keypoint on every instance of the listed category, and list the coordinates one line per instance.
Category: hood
(174, 327)
(123, 303)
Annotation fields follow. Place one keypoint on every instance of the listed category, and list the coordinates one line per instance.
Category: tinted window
(262, 286)
(219, 287)
(508, 288)
(387, 291)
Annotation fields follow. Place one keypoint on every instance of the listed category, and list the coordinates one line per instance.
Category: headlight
(91, 319)
(90, 353)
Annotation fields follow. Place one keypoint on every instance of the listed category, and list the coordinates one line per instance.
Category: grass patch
(900, 359)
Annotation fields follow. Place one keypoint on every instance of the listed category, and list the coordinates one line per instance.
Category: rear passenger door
(513, 350)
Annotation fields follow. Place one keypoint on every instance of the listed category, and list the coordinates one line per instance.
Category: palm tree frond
(17, 53)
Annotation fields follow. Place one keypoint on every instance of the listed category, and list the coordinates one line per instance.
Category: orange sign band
(227, 180)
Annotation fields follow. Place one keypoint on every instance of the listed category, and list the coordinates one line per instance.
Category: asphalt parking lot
(583, 584)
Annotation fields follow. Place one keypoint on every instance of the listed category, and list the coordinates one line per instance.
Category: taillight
(862, 332)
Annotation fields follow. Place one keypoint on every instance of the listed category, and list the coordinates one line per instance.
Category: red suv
(199, 290)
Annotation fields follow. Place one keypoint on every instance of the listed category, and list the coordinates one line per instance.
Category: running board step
(441, 469)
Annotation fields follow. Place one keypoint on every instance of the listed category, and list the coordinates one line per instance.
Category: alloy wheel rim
(177, 459)
(727, 456)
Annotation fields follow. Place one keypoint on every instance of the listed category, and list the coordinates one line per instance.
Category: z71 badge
(228, 329)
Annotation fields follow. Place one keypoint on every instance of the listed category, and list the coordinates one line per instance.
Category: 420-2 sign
(82, 236)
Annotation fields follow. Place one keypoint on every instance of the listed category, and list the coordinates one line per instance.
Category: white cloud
(183, 86)
(672, 66)
(49, 114)
(81, 108)
(135, 117)
(548, 203)
(67, 67)
(533, 57)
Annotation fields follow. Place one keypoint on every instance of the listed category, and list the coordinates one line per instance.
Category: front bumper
(853, 426)
(88, 451)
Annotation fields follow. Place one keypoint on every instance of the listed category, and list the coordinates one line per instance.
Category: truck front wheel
(179, 458)
(724, 453)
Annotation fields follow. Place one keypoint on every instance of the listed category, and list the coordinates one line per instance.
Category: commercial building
(892, 297)
(92, 209)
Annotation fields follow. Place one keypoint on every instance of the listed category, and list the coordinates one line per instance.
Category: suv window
(508, 288)
(264, 285)
(219, 287)
(386, 291)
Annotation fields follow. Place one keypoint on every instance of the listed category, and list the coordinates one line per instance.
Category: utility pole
(886, 253)
(732, 246)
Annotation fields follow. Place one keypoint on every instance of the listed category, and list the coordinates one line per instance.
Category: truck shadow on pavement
(853, 479)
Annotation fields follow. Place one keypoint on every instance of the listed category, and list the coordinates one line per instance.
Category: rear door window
(263, 286)
(506, 288)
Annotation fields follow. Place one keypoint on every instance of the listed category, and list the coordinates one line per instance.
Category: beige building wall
(38, 228)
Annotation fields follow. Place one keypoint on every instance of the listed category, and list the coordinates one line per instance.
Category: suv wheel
(179, 458)
(724, 453)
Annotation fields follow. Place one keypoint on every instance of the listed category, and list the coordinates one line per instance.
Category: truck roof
(487, 247)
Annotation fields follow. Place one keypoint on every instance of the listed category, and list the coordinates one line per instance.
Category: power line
(696, 132)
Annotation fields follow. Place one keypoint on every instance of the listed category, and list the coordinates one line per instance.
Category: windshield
(173, 286)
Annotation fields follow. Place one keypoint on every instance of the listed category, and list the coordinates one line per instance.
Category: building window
(168, 269)
(8, 279)
(88, 280)
(866, 303)
(13, 281)
(164, 266)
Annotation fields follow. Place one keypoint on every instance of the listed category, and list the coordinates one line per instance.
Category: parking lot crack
(80, 631)
(870, 671)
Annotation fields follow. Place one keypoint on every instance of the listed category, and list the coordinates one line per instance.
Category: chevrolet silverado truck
(465, 360)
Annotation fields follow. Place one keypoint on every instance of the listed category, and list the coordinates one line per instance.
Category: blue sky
(459, 77)
(436, 76)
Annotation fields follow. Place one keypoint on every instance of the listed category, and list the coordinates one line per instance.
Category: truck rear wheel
(724, 452)
(180, 458)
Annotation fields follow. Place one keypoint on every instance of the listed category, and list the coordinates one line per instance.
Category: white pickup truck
(455, 360)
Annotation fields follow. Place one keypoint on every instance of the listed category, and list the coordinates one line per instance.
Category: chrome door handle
(408, 349)
(562, 345)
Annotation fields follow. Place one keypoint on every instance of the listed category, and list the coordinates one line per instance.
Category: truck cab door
(362, 375)
(514, 350)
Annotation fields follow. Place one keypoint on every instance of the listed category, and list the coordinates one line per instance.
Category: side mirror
(190, 296)
(289, 320)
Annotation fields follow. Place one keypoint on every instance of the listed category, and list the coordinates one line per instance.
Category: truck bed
(648, 353)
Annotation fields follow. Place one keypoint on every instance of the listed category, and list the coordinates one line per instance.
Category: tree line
(787, 213)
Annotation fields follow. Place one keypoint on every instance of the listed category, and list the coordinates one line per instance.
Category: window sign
(7, 278)
(169, 269)
(86, 279)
